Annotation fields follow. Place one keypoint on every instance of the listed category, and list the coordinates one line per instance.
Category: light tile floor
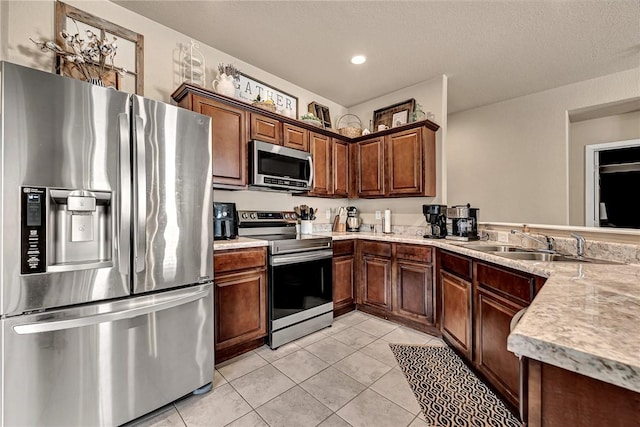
(345, 375)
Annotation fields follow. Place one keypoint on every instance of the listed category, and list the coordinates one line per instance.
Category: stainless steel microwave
(281, 168)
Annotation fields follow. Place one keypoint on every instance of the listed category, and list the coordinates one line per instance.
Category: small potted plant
(310, 119)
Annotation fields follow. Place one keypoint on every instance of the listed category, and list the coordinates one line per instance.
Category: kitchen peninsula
(575, 325)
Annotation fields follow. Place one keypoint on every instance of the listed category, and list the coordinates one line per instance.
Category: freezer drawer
(105, 364)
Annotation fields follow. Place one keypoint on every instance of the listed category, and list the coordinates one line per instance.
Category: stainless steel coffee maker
(436, 216)
(462, 223)
(353, 220)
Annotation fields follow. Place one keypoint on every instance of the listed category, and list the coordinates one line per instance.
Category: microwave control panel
(33, 230)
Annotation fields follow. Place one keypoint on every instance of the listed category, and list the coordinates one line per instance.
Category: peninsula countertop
(585, 319)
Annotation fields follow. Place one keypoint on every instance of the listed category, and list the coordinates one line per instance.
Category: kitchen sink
(492, 248)
(550, 257)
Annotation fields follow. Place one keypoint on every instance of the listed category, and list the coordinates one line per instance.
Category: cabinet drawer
(514, 286)
(460, 265)
(343, 247)
(376, 248)
(239, 259)
(414, 253)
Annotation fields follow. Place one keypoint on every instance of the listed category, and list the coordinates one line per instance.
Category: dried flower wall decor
(71, 21)
(91, 56)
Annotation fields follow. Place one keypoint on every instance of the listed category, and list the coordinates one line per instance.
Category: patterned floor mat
(448, 392)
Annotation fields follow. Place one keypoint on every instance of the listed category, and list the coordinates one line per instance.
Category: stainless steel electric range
(300, 275)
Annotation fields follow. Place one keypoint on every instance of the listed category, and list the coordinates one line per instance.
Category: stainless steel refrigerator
(106, 256)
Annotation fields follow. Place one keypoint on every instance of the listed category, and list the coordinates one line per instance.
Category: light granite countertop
(586, 318)
(238, 243)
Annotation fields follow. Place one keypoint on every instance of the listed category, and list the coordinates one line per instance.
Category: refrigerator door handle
(141, 203)
(78, 322)
(123, 229)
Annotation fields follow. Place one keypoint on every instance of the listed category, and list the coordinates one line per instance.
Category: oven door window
(300, 286)
(277, 165)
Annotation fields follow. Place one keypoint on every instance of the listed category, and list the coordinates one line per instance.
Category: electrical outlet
(328, 213)
(378, 214)
(503, 236)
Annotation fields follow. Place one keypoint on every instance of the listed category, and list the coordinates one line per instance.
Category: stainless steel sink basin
(550, 257)
(492, 248)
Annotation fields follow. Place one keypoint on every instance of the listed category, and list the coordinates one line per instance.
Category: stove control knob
(253, 215)
(245, 215)
(286, 215)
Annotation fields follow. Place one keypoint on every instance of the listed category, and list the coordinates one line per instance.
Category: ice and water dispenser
(65, 230)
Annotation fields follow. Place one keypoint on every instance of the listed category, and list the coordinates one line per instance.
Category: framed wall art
(130, 53)
(285, 103)
(394, 115)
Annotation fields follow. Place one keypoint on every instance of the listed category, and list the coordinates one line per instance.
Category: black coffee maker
(436, 216)
(225, 221)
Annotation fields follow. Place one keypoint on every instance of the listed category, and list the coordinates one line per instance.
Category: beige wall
(432, 95)
(510, 159)
(35, 19)
(21, 20)
(620, 127)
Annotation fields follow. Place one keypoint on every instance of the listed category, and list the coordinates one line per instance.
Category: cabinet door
(320, 148)
(266, 129)
(376, 282)
(229, 141)
(413, 290)
(340, 168)
(404, 154)
(493, 315)
(343, 282)
(370, 173)
(295, 137)
(456, 312)
(240, 307)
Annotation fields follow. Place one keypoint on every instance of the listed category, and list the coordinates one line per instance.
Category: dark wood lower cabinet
(413, 291)
(493, 315)
(559, 398)
(376, 282)
(240, 301)
(344, 295)
(456, 312)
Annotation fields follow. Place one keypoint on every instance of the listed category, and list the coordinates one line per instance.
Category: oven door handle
(300, 257)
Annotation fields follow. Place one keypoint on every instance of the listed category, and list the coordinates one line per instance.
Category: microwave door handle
(310, 159)
(141, 211)
(123, 228)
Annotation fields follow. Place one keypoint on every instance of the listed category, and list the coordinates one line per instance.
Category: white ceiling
(490, 50)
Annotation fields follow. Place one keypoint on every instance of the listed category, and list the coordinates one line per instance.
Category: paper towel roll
(387, 221)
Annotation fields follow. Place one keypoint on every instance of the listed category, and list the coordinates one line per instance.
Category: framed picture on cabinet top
(400, 118)
(397, 112)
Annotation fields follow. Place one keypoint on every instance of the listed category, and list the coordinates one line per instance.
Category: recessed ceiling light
(358, 59)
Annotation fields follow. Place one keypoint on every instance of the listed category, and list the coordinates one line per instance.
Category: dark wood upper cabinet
(370, 169)
(404, 159)
(266, 129)
(229, 140)
(295, 137)
(397, 164)
(394, 163)
(340, 168)
(320, 148)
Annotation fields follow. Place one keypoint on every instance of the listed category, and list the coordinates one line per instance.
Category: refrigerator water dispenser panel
(33, 244)
(80, 231)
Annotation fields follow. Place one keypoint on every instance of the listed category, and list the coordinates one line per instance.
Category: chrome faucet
(580, 243)
(549, 242)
